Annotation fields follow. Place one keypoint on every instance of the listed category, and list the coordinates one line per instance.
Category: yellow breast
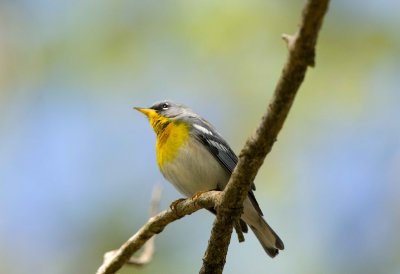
(169, 141)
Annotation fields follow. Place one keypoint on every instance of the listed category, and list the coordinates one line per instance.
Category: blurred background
(77, 164)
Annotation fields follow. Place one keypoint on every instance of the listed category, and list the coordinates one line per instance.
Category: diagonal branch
(229, 202)
(148, 248)
(301, 55)
(155, 225)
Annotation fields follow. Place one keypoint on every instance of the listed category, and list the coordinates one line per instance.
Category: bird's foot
(198, 194)
(173, 206)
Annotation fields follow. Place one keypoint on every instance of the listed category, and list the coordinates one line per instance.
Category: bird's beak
(146, 111)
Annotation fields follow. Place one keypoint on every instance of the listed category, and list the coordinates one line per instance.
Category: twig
(239, 231)
(155, 225)
(229, 202)
(301, 55)
(148, 248)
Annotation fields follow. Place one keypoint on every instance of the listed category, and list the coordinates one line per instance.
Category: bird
(195, 158)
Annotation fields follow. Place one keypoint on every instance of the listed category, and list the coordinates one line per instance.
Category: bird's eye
(165, 106)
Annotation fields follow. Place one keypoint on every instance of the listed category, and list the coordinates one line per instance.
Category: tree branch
(229, 203)
(155, 225)
(301, 55)
(148, 249)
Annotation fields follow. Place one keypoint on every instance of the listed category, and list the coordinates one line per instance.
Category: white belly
(194, 170)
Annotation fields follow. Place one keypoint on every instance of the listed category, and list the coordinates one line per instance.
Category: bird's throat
(171, 136)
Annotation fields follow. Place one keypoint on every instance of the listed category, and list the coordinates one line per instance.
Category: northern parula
(195, 158)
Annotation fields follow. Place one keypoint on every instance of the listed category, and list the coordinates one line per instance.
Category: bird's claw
(198, 194)
(174, 204)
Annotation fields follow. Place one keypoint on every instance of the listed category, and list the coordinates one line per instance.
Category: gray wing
(220, 149)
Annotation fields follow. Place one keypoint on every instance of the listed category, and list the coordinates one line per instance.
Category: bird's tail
(267, 237)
